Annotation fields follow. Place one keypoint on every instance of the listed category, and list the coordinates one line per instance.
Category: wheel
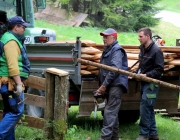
(34, 110)
(128, 116)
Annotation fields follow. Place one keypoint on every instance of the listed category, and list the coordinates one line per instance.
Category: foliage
(24, 132)
(126, 15)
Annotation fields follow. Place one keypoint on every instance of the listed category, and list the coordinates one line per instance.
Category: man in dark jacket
(151, 65)
(112, 83)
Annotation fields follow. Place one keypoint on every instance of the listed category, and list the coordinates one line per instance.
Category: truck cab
(25, 8)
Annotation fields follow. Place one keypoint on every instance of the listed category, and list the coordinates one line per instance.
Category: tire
(128, 116)
(34, 110)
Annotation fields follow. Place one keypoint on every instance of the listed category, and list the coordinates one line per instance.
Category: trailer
(63, 55)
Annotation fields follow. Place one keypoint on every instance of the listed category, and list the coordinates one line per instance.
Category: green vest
(3, 63)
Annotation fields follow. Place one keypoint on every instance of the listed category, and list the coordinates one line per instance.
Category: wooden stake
(134, 75)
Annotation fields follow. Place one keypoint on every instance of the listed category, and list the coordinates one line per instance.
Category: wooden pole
(60, 106)
(134, 75)
(57, 88)
(49, 105)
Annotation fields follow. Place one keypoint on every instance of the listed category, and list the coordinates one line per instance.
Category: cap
(109, 32)
(18, 20)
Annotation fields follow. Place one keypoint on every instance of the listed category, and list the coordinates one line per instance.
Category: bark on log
(134, 75)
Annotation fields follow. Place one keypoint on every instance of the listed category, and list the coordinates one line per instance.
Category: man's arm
(12, 51)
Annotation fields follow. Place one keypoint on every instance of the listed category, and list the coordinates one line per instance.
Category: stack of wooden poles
(92, 51)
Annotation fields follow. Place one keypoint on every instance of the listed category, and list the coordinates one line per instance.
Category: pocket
(151, 98)
(153, 86)
(13, 104)
(151, 94)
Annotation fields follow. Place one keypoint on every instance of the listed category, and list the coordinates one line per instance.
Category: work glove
(18, 89)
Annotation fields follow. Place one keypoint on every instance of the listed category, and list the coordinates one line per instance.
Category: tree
(125, 15)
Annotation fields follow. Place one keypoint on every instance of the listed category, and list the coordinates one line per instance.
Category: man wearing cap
(111, 83)
(15, 68)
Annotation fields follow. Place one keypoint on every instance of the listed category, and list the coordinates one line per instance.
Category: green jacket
(23, 61)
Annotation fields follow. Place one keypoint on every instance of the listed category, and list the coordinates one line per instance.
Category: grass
(166, 30)
(170, 5)
(81, 128)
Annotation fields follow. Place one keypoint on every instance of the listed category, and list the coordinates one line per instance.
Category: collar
(19, 37)
(150, 45)
(107, 48)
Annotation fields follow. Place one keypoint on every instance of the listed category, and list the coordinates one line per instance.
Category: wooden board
(133, 56)
(34, 100)
(135, 51)
(61, 16)
(171, 73)
(79, 18)
(169, 55)
(84, 43)
(57, 71)
(175, 49)
(131, 62)
(175, 62)
(167, 59)
(31, 121)
(35, 82)
(168, 67)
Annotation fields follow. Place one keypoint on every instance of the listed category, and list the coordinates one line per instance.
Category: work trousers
(110, 127)
(10, 118)
(147, 122)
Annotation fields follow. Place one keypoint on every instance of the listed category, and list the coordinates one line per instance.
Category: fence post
(57, 88)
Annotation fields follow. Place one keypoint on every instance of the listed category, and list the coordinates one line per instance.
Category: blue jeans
(10, 119)
(147, 123)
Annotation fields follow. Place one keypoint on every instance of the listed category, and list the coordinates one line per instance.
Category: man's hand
(102, 89)
(18, 89)
(143, 75)
(130, 77)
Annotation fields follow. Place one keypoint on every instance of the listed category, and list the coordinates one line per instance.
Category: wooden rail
(55, 102)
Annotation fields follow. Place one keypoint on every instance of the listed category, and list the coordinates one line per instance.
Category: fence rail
(55, 102)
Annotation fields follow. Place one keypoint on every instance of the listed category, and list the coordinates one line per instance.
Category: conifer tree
(125, 15)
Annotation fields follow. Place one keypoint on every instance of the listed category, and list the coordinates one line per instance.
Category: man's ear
(148, 36)
(115, 38)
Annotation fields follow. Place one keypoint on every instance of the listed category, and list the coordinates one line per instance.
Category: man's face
(143, 39)
(19, 29)
(108, 40)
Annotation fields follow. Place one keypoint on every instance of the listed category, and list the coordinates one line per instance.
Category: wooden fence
(55, 103)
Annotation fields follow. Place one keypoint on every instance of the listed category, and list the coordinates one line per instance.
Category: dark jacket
(151, 61)
(114, 56)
